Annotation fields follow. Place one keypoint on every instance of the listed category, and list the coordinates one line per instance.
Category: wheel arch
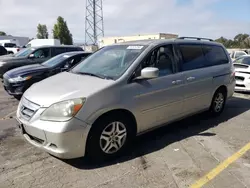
(222, 87)
(113, 112)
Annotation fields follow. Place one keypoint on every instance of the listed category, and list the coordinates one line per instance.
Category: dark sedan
(18, 80)
(35, 55)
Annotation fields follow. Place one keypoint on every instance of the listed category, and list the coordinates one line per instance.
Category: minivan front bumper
(65, 140)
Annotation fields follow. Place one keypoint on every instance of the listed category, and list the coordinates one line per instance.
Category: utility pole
(94, 26)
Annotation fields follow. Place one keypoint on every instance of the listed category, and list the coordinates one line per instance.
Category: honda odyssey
(124, 90)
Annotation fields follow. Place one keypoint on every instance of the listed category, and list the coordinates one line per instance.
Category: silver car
(124, 90)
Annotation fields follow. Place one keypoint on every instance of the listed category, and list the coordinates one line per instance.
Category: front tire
(18, 97)
(218, 102)
(109, 137)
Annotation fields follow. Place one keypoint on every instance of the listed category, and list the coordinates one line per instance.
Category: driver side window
(161, 58)
(42, 53)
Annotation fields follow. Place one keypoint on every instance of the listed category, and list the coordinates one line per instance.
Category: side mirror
(149, 73)
(31, 56)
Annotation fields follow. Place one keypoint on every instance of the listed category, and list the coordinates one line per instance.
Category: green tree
(2, 33)
(61, 32)
(42, 32)
(239, 41)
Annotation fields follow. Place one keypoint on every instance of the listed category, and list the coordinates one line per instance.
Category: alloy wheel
(219, 102)
(113, 137)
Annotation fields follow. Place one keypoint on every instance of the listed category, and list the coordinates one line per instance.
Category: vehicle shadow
(164, 136)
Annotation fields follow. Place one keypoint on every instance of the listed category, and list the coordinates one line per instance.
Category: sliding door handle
(190, 78)
(175, 82)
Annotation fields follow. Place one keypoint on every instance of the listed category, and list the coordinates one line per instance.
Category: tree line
(60, 31)
(239, 41)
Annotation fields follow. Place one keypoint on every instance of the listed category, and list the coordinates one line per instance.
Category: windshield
(25, 52)
(109, 62)
(55, 60)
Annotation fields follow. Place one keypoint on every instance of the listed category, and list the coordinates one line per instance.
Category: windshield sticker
(134, 47)
(66, 56)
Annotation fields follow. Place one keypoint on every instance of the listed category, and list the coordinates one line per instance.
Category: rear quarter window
(215, 55)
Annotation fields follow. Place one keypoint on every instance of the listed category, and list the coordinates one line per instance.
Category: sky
(203, 18)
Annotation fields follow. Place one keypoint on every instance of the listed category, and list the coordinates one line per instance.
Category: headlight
(1, 64)
(19, 79)
(62, 111)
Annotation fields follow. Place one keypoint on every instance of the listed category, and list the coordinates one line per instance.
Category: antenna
(94, 26)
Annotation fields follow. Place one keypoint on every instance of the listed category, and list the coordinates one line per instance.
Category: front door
(159, 100)
(198, 78)
(41, 55)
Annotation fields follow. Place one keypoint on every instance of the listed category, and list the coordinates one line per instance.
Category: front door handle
(190, 78)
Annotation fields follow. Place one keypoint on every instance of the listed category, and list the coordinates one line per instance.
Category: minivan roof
(155, 42)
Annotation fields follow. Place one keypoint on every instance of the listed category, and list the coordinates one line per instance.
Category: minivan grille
(27, 109)
(239, 78)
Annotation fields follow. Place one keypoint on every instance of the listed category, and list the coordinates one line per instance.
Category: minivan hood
(24, 70)
(64, 86)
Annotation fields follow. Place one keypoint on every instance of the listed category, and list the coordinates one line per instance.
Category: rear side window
(9, 45)
(73, 49)
(192, 56)
(58, 51)
(215, 55)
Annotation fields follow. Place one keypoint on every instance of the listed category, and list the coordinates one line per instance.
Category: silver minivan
(124, 90)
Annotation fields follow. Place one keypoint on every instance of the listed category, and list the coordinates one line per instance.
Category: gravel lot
(174, 156)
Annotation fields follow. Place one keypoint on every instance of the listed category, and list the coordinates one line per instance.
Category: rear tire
(218, 102)
(109, 137)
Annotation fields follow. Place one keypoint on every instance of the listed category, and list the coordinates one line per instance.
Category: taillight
(18, 49)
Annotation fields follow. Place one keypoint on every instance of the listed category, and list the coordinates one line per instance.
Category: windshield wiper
(95, 75)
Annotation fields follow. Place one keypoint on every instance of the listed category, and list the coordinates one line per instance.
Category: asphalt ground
(195, 152)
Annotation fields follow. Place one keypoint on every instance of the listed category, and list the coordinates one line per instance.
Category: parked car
(34, 55)
(242, 73)
(18, 80)
(124, 90)
(3, 51)
(235, 54)
(12, 46)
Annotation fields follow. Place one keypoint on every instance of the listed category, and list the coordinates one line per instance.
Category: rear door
(197, 77)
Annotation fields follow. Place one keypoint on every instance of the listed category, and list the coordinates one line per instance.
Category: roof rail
(197, 38)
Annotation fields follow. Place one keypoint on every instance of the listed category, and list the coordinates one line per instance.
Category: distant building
(22, 41)
(111, 40)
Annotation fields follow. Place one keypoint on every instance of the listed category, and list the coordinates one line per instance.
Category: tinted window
(74, 49)
(9, 45)
(58, 51)
(193, 57)
(215, 55)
